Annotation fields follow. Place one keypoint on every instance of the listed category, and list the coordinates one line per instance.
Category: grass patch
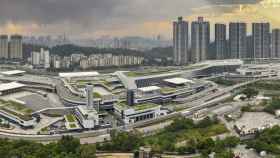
(70, 118)
(96, 95)
(182, 136)
(17, 110)
(272, 106)
(137, 107)
(184, 130)
(19, 115)
(194, 67)
(167, 90)
(145, 73)
(72, 125)
(45, 129)
(214, 130)
(266, 85)
(19, 107)
(268, 140)
(222, 81)
(145, 106)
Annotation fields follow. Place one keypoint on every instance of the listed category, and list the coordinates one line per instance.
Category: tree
(180, 123)
(231, 142)
(67, 147)
(68, 144)
(206, 146)
(87, 151)
(273, 105)
(250, 92)
(206, 122)
(122, 141)
(268, 140)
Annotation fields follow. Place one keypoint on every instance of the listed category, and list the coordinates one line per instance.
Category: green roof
(72, 125)
(138, 107)
(145, 73)
(70, 118)
(96, 95)
(16, 109)
(145, 106)
(194, 67)
(19, 107)
(19, 115)
(167, 90)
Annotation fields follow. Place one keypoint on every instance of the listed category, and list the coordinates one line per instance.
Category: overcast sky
(87, 18)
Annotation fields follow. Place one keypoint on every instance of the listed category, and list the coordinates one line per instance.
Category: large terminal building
(91, 100)
(137, 96)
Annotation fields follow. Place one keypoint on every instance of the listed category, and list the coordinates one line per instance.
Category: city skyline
(261, 43)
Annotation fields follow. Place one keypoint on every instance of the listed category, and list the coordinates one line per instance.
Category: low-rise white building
(148, 91)
(26, 122)
(137, 113)
(264, 70)
(201, 114)
(17, 113)
(71, 123)
(7, 88)
(78, 75)
(277, 113)
(87, 116)
(13, 73)
(174, 82)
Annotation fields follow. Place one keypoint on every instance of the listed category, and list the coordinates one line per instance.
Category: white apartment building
(101, 60)
(138, 113)
(41, 58)
(35, 58)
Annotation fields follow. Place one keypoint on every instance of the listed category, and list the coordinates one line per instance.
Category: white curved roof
(78, 74)
(149, 89)
(12, 72)
(178, 81)
(11, 85)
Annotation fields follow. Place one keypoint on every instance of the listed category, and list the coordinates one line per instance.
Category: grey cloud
(93, 15)
(52, 11)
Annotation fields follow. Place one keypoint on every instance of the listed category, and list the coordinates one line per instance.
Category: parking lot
(35, 102)
(256, 120)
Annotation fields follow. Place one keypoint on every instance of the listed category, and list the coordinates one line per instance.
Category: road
(214, 97)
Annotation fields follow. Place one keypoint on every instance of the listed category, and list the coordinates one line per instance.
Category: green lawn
(137, 107)
(167, 90)
(182, 136)
(267, 140)
(72, 125)
(194, 67)
(17, 109)
(145, 73)
(145, 106)
(45, 129)
(2, 101)
(186, 135)
(70, 118)
(96, 95)
(222, 81)
(266, 85)
(24, 117)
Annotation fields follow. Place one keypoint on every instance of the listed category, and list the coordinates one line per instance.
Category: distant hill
(67, 50)
(28, 48)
